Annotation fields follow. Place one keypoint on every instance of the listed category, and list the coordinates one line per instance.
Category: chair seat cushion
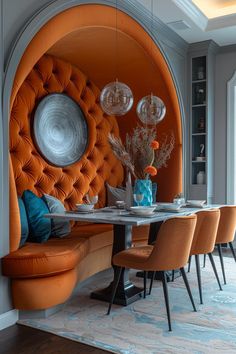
(53, 257)
(133, 257)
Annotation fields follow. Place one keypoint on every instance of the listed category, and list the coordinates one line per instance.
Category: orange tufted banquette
(87, 249)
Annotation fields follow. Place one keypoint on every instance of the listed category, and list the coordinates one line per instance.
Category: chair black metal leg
(221, 261)
(189, 263)
(182, 270)
(144, 284)
(173, 275)
(199, 276)
(232, 250)
(152, 278)
(165, 289)
(204, 260)
(114, 288)
(214, 269)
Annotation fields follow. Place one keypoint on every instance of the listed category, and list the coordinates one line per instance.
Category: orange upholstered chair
(170, 251)
(226, 231)
(204, 241)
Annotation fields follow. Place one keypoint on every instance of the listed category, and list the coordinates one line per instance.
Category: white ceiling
(202, 19)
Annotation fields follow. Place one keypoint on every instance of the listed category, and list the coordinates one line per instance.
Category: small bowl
(84, 207)
(197, 203)
(169, 206)
(142, 210)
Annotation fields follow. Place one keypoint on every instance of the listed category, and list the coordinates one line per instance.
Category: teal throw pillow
(39, 226)
(23, 221)
(60, 228)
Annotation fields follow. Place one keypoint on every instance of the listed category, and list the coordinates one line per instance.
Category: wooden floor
(25, 340)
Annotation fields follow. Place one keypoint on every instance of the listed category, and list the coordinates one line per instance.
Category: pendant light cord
(116, 52)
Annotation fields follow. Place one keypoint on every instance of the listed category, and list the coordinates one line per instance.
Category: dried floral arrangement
(142, 154)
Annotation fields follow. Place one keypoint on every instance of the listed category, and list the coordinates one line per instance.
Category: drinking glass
(94, 199)
(138, 198)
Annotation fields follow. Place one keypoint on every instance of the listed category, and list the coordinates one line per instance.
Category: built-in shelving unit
(201, 107)
(198, 118)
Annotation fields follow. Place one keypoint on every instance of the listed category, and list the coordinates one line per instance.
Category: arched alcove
(104, 43)
(60, 20)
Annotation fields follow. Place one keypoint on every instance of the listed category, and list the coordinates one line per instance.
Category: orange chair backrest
(205, 232)
(174, 239)
(227, 224)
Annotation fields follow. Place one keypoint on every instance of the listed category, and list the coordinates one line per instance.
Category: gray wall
(15, 15)
(225, 68)
(5, 304)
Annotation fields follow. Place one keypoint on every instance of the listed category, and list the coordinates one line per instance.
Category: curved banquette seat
(44, 275)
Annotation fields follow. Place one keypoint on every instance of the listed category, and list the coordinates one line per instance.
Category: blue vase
(143, 186)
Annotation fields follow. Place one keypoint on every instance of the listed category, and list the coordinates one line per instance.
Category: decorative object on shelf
(200, 96)
(142, 154)
(201, 177)
(202, 148)
(144, 187)
(201, 157)
(116, 98)
(201, 125)
(60, 130)
(201, 73)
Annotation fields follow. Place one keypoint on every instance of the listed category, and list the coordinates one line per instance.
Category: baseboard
(8, 319)
(37, 314)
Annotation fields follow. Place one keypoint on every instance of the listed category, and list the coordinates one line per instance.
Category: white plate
(196, 203)
(168, 206)
(142, 210)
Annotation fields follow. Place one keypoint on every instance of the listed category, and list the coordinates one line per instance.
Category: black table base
(125, 296)
(127, 292)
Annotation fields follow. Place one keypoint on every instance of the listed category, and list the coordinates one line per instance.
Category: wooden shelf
(199, 105)
(198, 81)
(195, 161)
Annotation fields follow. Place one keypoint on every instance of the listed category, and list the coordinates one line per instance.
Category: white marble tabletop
(122, 217)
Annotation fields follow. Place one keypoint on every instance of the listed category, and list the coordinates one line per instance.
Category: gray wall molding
(208, 45)
(8, 319)
(231, 142)
(2, 228)
(227, 49)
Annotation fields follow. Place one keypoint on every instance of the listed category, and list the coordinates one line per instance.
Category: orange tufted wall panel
(97, 166)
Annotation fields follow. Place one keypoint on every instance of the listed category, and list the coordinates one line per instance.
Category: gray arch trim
(134, 10)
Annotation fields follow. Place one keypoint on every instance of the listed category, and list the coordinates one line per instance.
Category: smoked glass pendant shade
(151, 110)
(116, 98)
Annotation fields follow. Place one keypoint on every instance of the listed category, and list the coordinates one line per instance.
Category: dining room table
(123, 221)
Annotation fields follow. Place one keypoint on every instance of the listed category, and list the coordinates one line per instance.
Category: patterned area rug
(141, 328)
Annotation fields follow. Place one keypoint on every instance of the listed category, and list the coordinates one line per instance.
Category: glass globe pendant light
(116, 98)
(151, 110)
